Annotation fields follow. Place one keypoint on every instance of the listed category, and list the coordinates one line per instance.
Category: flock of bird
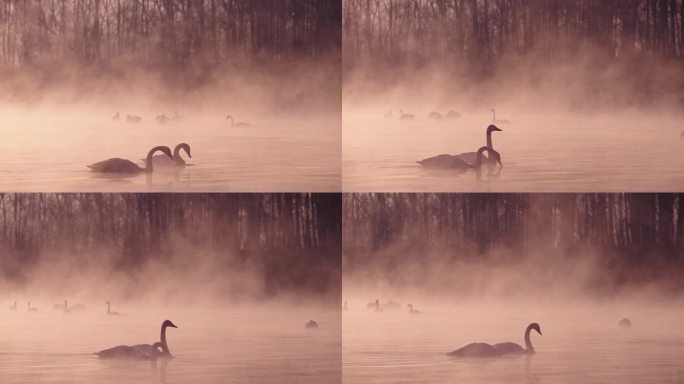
(476, 349)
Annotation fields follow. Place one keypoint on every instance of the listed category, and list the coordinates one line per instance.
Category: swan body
(435, 116)
(117, 165)
(116, 117)
(140, 351)
(237, 124)
(411, 310)
(625, 322)
(500, 349)
(495, 120)
(176, 161)
(493, 156)
(133, 119)
(454, 161)
(13, 307)
(405, 116)
(311, 325)
(452, 114)
(109, 311)
(31, 309)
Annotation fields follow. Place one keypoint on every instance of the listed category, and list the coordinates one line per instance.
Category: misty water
(540, 152)
(579, 343)
(48, 150)
(212, 344)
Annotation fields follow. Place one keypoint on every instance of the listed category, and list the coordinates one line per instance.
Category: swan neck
(489, 140)
(165, 347)
(108, 307)
(148, 160)
(528, 343)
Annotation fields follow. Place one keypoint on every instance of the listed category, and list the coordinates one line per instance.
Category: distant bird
(109, 311)
(452, 114)
(141, 351)
(411, 310)
(405, 116)
(495, 120)
(176, 117)
(31, 309)
(345, 305)
(496, 350)
(455, 162)
(117, 165)
(625, 322)
(14, 306)
(131, 119)
(392, 305)
(493, 157)
(388, 114)
(374, 305)
(162, 119)
(177, 161)
(237, 124)
(311, 325)
(435, 116)
(65, 309)
(116, 117)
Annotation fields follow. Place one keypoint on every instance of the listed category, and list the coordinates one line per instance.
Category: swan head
(185, 147)
(534, 326)
(493, 128)
(168, 323)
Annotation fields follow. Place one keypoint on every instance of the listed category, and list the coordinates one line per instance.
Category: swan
(392, 305)
(238, 124)
(177, 160)
(455, 161)
(140, 351)
(374, 305)
(388, 114)
(117, 165)
(625, 322)
(494, 156)
(162, 119)
(405, 116)
(31, 309)
(311, 325)
(488, 350)
(65, 308)
(411, 310)
(116, 117)
(14, 306)
(500, 121)
(133, 119)
(109, 312)
(435, 116)
(176, 117)
(452, 114)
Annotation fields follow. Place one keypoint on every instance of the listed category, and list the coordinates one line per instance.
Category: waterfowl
(109, 311)
(13, 307)
(140, 351)
(117, 165)
(177, 160)
(311, 325)
(411, 310)
(29, 308)
(455, 162)
(500, 349)
(452, 114)
(495, 120)
(116, 117)
(435, 116)
(65, 308)
(345, 305)
(238, 124)
(162, 119)
(374, 305)
(625, 322)
(493, 157)
(405, 116)
(133, 119)
(77, 307)
(392, 305)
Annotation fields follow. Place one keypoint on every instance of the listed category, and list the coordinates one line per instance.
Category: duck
(118, 165)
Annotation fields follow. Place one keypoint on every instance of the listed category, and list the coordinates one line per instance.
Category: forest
(292, 239)
(628, 231)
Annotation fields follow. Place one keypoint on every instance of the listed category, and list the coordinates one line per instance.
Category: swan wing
(475, 350)
(444, 162)
(509, 348)
(115, 165)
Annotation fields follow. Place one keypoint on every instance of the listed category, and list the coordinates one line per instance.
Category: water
(47, 151)
(553, 153)
(578, 345)
(237, 345)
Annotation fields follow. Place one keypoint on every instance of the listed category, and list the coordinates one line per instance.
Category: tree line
(484, 30)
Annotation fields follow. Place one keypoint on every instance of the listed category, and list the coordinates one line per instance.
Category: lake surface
(554, 153)
(236, 345)
(581, 345)
(47, 151)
